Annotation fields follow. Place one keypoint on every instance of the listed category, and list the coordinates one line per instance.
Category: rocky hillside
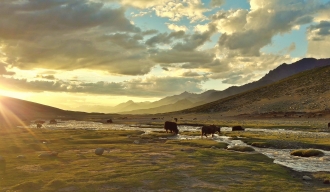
(307, 91)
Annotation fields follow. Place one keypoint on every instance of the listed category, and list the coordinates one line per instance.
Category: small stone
(326, 181)
(307, 178)
(136, 142)
(213, 147)
(99, 151)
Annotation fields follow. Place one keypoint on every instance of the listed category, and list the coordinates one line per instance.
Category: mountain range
(187, 100)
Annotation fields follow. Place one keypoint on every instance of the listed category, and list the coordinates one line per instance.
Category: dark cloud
(190, 74)
(164, 38)
(49, 77)
(4, 71)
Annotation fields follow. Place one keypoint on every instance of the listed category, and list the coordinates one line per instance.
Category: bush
(260, 144)
(241, 148)
(306, 152)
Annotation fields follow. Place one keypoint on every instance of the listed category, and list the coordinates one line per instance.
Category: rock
(307, 178)
(48, 155)
(100, 151)
(213, 147)
(326, 181)
(21, 157)
(136, 142)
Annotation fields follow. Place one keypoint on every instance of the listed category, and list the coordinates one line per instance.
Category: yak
(211, 129)
(328, 125)
(109, 121)
(52, 121)
(172, 126)
(39, 125)
(237, 128)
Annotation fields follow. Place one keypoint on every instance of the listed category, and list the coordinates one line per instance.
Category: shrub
(241, 148)
(260, 144)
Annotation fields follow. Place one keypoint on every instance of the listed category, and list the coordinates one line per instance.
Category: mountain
(281, 72)
(16, 111)
(179, 105)
(308, 91)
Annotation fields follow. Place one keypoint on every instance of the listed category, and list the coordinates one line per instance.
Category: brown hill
(308, 91)
(16, 111)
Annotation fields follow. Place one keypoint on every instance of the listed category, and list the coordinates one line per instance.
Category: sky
(85, 54)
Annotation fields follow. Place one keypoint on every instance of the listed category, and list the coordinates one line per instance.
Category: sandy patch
(30, 168)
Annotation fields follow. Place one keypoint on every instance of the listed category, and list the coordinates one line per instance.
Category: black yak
(39, 125)
(52, 121)
(176, 119)
(172, 126)
(328, 125)
(211, 129)
(237, 128)
(109, 121)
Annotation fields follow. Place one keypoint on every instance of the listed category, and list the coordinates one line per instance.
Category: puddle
(280, 156)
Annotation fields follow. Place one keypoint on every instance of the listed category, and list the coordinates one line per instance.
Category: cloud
(190, 74)
(176, 27)
(4, 71)
(48, 77)
(175, 10)
(68, 35)
(246, 32)
(140, 87)
(164, 38)
(217, 3)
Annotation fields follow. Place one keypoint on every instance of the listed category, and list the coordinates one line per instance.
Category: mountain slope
(15, 111)
(282, 71)
(307, 91)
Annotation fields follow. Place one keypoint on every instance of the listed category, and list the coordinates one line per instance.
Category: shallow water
(280, 156)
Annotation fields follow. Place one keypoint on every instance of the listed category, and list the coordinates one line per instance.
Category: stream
(280, 156)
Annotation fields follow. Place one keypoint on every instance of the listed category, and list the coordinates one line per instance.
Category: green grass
(174, 165)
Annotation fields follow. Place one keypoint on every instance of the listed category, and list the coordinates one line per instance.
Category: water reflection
(280, 156)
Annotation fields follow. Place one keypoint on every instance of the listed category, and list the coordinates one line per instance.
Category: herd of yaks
(172, 127)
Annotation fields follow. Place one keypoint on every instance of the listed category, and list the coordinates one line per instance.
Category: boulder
(326, 181)
(136, 142)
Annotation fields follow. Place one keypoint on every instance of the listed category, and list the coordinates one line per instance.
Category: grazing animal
(328, 125)
(237, 128)
(172, 126)
(109, 121)
(176, 119)
(211, 129)
(39, 125)
(53, 121)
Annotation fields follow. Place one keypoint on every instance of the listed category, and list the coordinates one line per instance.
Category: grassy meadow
(137, 162)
